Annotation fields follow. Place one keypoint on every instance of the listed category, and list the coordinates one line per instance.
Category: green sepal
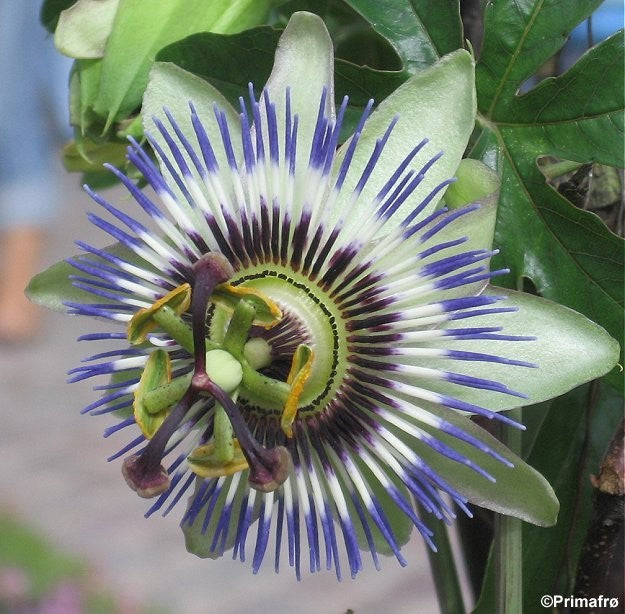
(53, 287)
(156, 373)
(419, 31)
(400, 525)
(303, 63)
(199, 541)
(172, 88)
(518, 491)
(86, 156)
(477, 227)
(438, 104)
(568, 350)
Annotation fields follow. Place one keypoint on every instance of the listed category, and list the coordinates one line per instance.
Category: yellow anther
(142, 323)
(157, 372)
(202, 462)
(301, 368)
(268, 314)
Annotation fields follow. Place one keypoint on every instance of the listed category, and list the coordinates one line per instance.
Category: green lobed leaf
(143, 27)
(569, 350)
(567, 449)
(420, 31)
(361, 84)
(236, 59)
(577, 115)
(518, 41)
(568, 254)
(355, 39)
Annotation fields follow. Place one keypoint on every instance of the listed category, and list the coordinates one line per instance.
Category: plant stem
(509, 542)
(443, 569)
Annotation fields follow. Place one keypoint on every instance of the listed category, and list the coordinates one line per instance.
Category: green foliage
(568, 254)
(114, 44)
(420, 31)
(142, 28)
(574, 429)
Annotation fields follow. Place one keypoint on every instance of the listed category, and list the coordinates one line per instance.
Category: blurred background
(72, 535)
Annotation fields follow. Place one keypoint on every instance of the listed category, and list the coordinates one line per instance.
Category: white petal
(438, 104)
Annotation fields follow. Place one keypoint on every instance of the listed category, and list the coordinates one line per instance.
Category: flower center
(261, 321)
(310, 317)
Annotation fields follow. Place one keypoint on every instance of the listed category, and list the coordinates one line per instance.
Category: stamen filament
(268, 468)
(143, 472)
(175, 327)
(239, 327)
(167, 395)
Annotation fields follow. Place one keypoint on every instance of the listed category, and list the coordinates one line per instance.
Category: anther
(268, 467)
(143, 472)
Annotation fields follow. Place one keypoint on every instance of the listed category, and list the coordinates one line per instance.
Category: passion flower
(306, 328)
